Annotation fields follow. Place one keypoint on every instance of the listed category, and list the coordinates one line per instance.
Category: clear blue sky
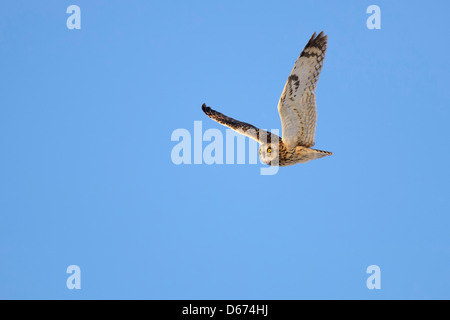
(86, 176)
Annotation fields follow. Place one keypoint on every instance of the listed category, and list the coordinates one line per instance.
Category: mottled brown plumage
(297, 109)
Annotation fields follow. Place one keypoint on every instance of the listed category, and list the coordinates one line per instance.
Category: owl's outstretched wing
(297, 105)
(262, 136)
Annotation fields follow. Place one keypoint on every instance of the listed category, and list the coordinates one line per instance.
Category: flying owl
(297, 109)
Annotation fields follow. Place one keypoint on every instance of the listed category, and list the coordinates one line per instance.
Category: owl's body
(297, 109)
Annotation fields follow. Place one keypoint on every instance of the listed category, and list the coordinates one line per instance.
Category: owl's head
(269, 154)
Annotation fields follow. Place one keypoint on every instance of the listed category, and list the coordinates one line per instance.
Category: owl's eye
(269, 150)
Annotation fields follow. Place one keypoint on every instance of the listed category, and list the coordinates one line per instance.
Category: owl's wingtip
(205, 108)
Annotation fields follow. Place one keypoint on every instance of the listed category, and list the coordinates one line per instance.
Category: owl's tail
(322, 153)
(304, 155)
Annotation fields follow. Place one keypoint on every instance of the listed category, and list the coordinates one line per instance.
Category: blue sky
(86, 176)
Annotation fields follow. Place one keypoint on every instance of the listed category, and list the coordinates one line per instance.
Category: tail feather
(325, 153)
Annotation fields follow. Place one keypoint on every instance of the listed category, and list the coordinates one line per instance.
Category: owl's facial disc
(268, 154)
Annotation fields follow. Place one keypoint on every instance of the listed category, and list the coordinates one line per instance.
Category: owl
(297, 110)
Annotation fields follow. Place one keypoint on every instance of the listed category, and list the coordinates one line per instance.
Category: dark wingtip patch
(318, 41)
(205, 108)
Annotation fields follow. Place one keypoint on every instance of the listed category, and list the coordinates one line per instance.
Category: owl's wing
(262, 136)
(297, 105)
